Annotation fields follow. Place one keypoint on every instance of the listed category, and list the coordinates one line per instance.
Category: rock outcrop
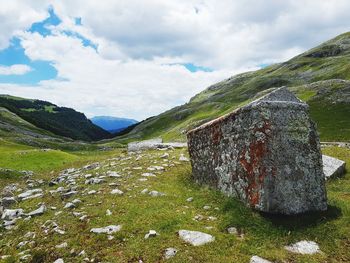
(266, 153)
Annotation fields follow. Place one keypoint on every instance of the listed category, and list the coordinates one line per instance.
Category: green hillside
(304, 74)
(58, 120)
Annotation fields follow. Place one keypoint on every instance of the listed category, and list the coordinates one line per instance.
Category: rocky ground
(143, 207)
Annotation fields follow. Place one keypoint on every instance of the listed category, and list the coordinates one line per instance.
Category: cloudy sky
(137, 58)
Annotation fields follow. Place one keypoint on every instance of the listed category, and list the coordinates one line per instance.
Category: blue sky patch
(42, 27)
(14, 54)
(78, 21)
(192, 67)
(86, 42)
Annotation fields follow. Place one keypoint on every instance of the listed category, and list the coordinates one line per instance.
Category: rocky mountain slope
(319, 76)
(57, 120)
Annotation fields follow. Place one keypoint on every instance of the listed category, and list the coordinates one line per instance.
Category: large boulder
(266, 153)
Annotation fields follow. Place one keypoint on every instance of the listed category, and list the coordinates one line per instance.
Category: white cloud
(18, 69)
(130, 75)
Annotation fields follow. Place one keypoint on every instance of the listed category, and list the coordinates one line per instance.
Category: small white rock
(170, 252)
(195, 238)
(256, 259)
(304, 247)
(117, 192)
(106, 230)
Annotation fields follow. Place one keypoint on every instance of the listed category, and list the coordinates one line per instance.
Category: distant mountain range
(112, 124)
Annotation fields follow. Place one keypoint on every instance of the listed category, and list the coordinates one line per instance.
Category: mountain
(60, 121)
(320, 76)
(112, 124)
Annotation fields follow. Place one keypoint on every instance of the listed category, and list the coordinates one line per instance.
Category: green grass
(264, 235)
(333, 120)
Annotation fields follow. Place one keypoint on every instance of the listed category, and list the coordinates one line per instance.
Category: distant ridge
(113, 124)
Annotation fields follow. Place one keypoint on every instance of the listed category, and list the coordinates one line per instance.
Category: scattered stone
(206, 207)
(63, 245)
(198, 218)
(148, 175)
(232, 230)
(155, 168)
(156, 193)
(333, 167)
(41, 210)
(82, 218)
(94, 181)
(304, 247)
(117, 192)
(31, 194)
(113, 174)
(69, 205)
(151, 233)
(170, 252)
(10, 214)
(59, 260)
(106, 230)
(266, 153)
(108, 212)
(195, 238)
(256, 259)
(92, 192)
(183, 158)
(68, 194)
(165, 156)
(190, 199)
(144, 191)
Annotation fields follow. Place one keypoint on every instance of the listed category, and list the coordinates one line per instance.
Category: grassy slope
(327, 61)
(59, 120)
(263, 235)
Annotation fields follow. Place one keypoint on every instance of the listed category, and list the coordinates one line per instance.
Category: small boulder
(10, 214)
(37, 212)
(106, 230)
(195, 238)
(151, 233)
(332, 167)
(256, 259)
(170, 252)
(117, 192)
(304, 247)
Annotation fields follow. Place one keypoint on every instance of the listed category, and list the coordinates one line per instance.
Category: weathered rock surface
(332, 167)
(195, 238)
(37, 212)
(170, 252)
(106, 230)
(10, 214)
(266, 153)
(31, 194)
(304, 247)
(257, 259)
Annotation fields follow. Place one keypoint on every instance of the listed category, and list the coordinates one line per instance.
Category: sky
(138, 58)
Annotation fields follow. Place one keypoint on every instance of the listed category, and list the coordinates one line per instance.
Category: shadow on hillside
(301, 221)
